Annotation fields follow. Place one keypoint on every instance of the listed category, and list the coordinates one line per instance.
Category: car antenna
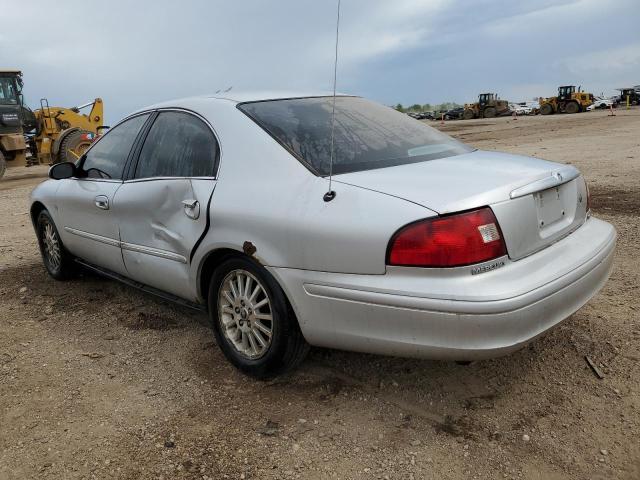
(330, 195)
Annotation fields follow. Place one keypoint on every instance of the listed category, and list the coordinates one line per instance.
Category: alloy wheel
(51, 244)
(245, 314)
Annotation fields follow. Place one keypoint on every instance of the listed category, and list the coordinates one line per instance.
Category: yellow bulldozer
(568, 101)
(488, 106)
(47, 135)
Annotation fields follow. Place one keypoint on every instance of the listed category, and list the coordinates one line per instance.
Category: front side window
(367, 135)
(107, 158)
(178, 145)
(8, 94)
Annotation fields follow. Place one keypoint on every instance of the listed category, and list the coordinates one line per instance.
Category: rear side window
(107, 157)
(178, 145)
(367, 135)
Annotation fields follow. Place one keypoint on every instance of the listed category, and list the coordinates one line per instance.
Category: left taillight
(451, 241)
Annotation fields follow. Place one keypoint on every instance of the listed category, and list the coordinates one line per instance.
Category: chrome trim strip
(153, 179)
(556, 178)
(93, 236)
(156, 252)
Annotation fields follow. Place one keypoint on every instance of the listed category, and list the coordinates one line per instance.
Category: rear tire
(73, 146)
(257, 332)
(546, 109)
(3, 165)
(57, 260)
(572, 107)
(489, 112)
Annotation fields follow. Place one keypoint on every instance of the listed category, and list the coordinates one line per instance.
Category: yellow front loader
(568, 101)
(64, 134)
(50, 134)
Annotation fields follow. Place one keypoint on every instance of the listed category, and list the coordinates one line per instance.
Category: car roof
(261, 96)
(240, 97)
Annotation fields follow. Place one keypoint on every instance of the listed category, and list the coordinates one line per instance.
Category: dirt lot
(101, 381)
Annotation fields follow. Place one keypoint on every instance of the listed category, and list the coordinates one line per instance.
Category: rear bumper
(450, 314)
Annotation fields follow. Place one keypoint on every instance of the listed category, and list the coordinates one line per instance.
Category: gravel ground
(101, 381)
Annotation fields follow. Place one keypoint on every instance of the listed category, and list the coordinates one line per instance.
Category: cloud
(412, 51)
(623, 58)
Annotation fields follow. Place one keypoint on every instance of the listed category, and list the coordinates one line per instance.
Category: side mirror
(63, 170)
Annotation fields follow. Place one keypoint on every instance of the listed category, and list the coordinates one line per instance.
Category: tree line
(428, 107)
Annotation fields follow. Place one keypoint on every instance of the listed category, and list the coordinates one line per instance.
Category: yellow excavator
(47, 135)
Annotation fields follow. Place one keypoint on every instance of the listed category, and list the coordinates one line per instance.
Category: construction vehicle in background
(48, 135)
(629, 96)
(12, 143)
(568, 101)
(64, 134)
(487, 106)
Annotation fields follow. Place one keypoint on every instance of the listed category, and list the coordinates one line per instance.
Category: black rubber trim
(132, 161)
(141, 286)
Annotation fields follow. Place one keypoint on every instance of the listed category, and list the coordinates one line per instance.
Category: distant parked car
(520, 109)
(454, 113)
(420, 115)
(601, 102)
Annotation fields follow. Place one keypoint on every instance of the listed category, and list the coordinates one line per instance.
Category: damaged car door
(86, 202)
(163, 206)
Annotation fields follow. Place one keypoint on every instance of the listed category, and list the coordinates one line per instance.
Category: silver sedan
(417, 245)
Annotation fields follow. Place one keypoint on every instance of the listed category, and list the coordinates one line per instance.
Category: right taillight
(451, 241)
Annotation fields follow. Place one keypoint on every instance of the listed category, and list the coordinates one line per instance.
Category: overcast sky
(411, 51)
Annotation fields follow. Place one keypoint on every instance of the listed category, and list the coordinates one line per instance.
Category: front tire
(546, 109)
(572, 107)
(73, 146)
(57, 260)
(252, 320)
(490, 112)
(468, 114)
(3, 165)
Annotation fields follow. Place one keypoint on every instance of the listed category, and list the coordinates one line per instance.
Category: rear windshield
(367, 135)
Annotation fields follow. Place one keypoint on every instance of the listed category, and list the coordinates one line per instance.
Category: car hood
(455, 183)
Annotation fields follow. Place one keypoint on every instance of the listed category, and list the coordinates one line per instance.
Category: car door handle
(191, 208)
(102, 202)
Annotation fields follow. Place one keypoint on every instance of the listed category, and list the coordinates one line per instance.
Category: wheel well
(36, 208)
(211, 261)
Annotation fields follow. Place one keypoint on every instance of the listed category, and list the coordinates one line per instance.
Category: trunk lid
(535, 201)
